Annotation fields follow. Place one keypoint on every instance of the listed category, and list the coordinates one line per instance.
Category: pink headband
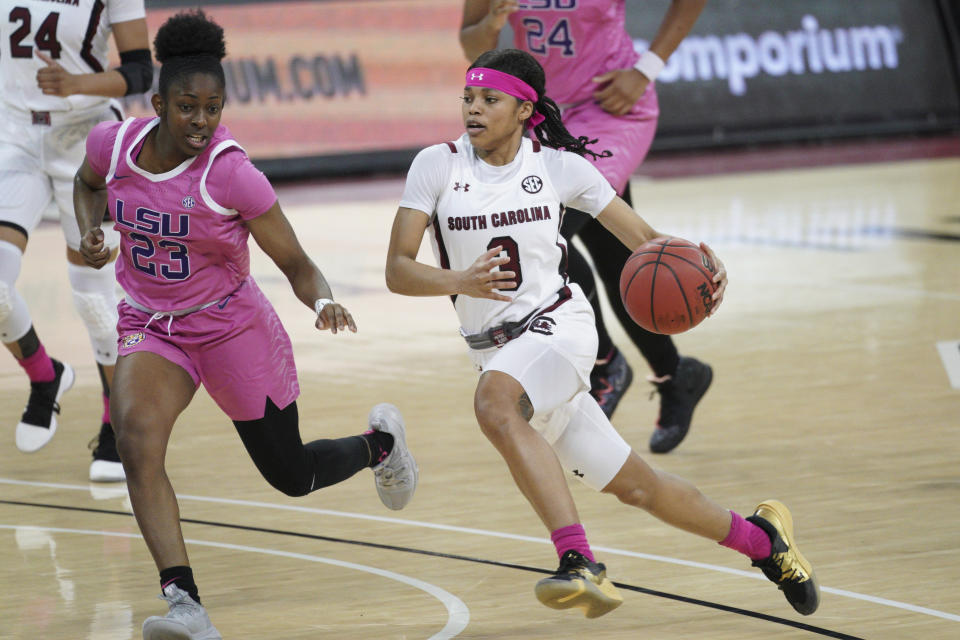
(510, 85)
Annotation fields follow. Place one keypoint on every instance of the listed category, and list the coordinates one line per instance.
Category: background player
(531, 333)
(185, 198)
(606, 93)
(56, 87)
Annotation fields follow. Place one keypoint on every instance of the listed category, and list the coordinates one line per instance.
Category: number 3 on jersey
(509, 246)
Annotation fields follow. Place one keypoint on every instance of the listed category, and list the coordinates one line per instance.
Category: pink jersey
(183, 238)
(574, 40)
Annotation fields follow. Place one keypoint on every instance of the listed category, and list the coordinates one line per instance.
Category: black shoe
(785, 566)
(579, 583)
(608, 382)
(39, 422)
(106, 465)
(679, 394)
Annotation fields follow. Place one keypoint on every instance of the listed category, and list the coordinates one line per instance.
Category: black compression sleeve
(136, 67)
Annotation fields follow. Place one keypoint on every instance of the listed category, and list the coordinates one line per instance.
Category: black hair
(187, 43)
(551, 132)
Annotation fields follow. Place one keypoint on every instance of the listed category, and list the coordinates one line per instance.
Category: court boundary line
(437, 554)
(495, 534)
(458, 614)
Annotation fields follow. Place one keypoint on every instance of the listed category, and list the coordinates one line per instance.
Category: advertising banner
(327, 78)
(759, 67)
(329, 87)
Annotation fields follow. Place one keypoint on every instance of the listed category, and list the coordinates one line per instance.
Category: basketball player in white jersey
(493, 201)
(56, 85)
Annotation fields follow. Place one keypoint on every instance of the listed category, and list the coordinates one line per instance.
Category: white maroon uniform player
(42, 136)
(549, 325)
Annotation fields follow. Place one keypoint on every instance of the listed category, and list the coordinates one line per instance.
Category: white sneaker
(186, 619)
(396, 476)
(39, 421)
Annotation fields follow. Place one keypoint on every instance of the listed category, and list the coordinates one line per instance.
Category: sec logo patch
(132, 340)
(532, 184)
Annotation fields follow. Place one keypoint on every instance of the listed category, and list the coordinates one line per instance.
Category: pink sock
(106, 408)
(39, 366)
(572, 537)
(747, 538)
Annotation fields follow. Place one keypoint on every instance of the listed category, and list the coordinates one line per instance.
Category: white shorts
(552, 361)
(37, 166)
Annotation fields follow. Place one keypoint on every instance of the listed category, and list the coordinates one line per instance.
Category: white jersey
(75, 33)
(475, 207)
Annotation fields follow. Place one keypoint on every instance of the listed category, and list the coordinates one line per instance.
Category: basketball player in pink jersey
(491, 202)
(56, 85)
(185, 198)
(606, 93)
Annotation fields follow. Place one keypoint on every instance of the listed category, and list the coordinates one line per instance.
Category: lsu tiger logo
(132, 340)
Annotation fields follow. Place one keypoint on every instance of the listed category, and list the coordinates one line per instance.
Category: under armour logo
(476, 76)
(457, 187)
(577, 473)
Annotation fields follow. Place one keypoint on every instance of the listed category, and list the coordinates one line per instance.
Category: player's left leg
(589, 443)
(252, 376)
(95, 299)
(94, 290)
(296, 469)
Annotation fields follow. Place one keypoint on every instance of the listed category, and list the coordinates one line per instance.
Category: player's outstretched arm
(275, 236)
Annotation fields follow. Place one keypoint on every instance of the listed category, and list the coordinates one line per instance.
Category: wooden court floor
(830, 393)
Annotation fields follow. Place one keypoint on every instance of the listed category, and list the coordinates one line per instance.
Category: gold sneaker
(785, 566)
(579, 583)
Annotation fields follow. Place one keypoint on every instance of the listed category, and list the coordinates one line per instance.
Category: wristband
(650, 64)
(320, 303)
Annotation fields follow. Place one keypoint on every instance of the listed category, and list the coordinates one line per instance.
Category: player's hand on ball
(619, 90)
(53, 79)
(335, 317)
(484, 278)
(95, 253)
(719, 278)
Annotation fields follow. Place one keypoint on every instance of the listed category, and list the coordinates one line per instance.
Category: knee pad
(95, 298)
(15, 319)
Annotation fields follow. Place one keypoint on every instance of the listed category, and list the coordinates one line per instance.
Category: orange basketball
(667, 285)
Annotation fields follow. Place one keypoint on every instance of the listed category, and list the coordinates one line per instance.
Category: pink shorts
(628, 136)
(236, 347)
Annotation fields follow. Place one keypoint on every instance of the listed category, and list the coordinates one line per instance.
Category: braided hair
(186, 44)
(551, 132)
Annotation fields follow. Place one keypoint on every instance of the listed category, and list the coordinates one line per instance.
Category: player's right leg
(25, 195)
(149, 392)
(519, 403)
